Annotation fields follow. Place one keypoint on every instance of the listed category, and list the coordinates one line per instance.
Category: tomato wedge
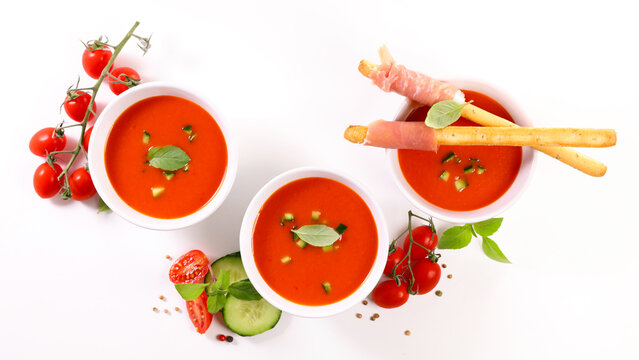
(199, 314)
(189, 268)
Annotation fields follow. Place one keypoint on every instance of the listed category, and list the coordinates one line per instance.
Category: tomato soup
(300, 274)
(162, 121)
(462, 178)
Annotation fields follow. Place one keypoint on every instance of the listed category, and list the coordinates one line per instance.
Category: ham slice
(419, 87)
(401, 135)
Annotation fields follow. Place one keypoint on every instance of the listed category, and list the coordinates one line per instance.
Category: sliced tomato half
(189, 268)
(199, 314)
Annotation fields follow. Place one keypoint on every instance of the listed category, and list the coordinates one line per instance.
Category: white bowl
(491, 210)
(99, 137)
(246, 244)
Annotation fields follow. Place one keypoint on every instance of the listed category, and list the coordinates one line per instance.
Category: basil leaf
(444, 113)
(223, 280)
(488, 227)
(456, 237)
(102, 206)
(190, 291)
(215, 303)
(492, 251)
(168, 157)
(244, 290)
(317, 235)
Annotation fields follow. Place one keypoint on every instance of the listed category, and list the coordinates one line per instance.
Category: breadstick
(570, 157)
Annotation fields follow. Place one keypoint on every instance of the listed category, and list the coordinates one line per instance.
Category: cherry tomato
(423, 236)
(189, 268)
(94, 61)
(427, 276)
(77, 106)
(87, 137)
(122, 73)
(199, 314)
(45, 180)
(390, 295)
(81, 185)
(394, 259)
(45, 141)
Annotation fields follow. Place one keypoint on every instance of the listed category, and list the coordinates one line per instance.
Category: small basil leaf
(190, 291)
(444, 113)
(456, 237)
(492, 251)
(223, 280)
(488, 227)
(102, 206)
(169, 158)
(215, 303)
(317, 235)
(244, 290)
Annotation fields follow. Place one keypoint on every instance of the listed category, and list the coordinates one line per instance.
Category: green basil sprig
(169, 158)
(458, 237)
(444, 113)
(317, 235)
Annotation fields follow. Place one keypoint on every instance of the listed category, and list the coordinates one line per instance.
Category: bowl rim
(246, 243)
(500, 205)
(102, 129)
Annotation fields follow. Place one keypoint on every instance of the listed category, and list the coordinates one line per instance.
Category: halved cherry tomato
(394, 259)
(199, 314)
(390, 295)
(76, 105)
(94, 61)
(45, 180)
(87, 137)
(46, 141)
(189, 268)
(124, 74)
(81, 185)
(427, 274)
(422, 235)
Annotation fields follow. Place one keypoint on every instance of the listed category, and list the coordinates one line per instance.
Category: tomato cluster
(413, 268)
(50, 178)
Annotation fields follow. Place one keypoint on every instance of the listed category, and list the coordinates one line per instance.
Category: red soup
(462, 178)
(306, 274)
(161, 121)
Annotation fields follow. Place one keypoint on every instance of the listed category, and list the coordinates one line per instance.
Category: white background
(80, 285)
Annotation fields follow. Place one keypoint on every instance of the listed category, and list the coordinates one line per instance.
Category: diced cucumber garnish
(315, 215)
(168, 175)
(285, 259)
(448, 157)
(461, 184)
(469, 169)
(341, 228)
(146, 137)
(250, 317)
(480, 170)
(287, 217)
(445, 175)
(474, 159)
(301, 243)
(157, 191)
(328, 248)
(327, 287)
(188, 129)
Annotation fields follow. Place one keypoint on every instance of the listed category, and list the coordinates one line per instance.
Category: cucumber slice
(248, 318)
(231, 263)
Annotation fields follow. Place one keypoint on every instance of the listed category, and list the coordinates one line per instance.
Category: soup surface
(297, 273)
(162, 121)
(462, 178)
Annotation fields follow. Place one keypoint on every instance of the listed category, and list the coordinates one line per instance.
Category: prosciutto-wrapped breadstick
(418, 136)
(423, 89)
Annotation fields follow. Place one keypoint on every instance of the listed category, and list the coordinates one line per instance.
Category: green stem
(94, 90)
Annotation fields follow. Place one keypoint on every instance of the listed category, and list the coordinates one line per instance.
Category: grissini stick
(418, 136)
(423, 89)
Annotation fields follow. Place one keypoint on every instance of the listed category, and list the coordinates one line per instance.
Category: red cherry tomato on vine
(427, 276)
(422, 235)
(45, 141)
(189, 268)
(94, 61)
(81, 185)
(394, 259)
(121, 73)
(390, 295)
(87, 137)
(199, 314)
(77, 106)
(45, 180)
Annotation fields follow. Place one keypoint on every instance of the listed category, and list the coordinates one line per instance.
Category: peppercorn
(155, 309)
(450, 276)
(444, 266)
(359, 316)
(365, 302)
(221, 337)
(407, 332)
(229, 338)
(438, 293)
